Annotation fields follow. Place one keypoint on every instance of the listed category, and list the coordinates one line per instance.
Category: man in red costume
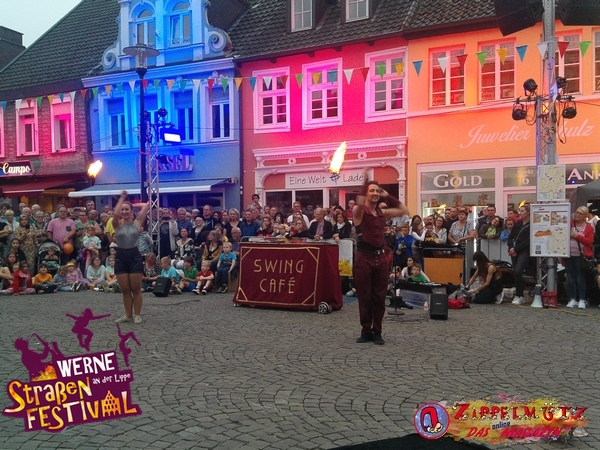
(371, 265)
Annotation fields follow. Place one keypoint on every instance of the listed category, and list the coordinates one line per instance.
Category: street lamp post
(142, 52)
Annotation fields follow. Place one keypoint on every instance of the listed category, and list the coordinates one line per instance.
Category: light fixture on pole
(142, 52)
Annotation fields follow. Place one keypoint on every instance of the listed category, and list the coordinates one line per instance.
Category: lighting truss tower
(152, 184)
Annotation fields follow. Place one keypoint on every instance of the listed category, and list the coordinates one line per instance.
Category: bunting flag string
(61, 96)
(332, 76)
(210, 82)
(252, 81)
(316, 77)
(562, 48)
(156, 84)
(238, 82)
(3, 105)
(108, 89)
(182, 84)
(170, 83)
(299, 77)
(461, 60)
(481, 57)
(132, 85)
(502, 52)
(417, 65)
(399, 68)
(39, 101)
(18, 104)
(224, 83)
(381, 70)
(348, 74)
(443, 62)
(365, 72)
(284, 79)
(267, 81)
(94, 92)
(50, 98)
(542, 47)
(72, 95)
(521, 50)
(583, 46)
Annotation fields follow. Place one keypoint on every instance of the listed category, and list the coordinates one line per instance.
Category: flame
(338, 158)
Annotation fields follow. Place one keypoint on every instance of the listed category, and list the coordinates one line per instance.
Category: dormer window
(357, 10)
(302, 15)
(181, 24)
(145, 28)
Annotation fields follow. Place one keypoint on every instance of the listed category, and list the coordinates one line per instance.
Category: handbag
(588, 265)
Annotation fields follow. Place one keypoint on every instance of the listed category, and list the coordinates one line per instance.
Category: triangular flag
(50, 98)
(461, 60)
(61, 96)
(443, 62)
(365, 72)
(381, 70)
(18, 104)
(156, 83)
(267, 81)
(29, 102)
(118, 87)
(196, 82)
(182, 84)
(238, 82)
(399, 68)
(72, 95)
(3, 105)
(210, 82)
(145, 83)
(95, 92)
(170, 83)
(316, 77)
(562, 47)
(39, 102)
(502, 52)
(108, 88)
(542, 48)
(348, 74)
(83, 92)
(224, 83)
(299, 77)
(583, 46)
(332, 76)
(252, 81)
(481, 57)
(132, 85)
(284, 79)
(417, 65)
(521, 50)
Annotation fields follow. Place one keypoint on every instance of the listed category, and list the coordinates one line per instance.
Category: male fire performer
(371, 265)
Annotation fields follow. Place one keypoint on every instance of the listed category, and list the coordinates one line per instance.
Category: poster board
(550, 225)
(551, 181)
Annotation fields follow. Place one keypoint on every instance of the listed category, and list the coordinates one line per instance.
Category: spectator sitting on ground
(416, 275)
(168, 271)
(406, 271)
(212, 250)
(204, 280)
(151, 272)
(42, 282)
(95, 272)
(190, 273)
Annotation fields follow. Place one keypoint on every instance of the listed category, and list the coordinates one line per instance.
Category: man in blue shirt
(249, 226)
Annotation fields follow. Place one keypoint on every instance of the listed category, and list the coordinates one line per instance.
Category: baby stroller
(43, 252)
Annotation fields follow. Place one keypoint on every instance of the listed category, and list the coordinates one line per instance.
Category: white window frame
(22, 122)
(61, 111)
(181, 15)
(148, 37)
(106, 119)
(296, 14)
(451, 54)
(2, 152)
(325, 85)
(501, 91)
(354, 6)
(226, 99)
(260, 94)
(194, 119)
(371, 60)
(596, 51)
(561, 67)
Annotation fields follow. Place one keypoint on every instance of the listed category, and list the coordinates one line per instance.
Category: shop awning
(165, 187)
(31, 188)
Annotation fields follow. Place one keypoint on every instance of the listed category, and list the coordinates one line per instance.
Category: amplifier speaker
(516, 15)
(438, 309)
(579, 12)
(162, 287)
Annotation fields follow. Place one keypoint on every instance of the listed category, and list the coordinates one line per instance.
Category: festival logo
(72, 390)
(508, 419)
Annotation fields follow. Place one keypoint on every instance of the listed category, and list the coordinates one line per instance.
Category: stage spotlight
(519, 112)
(162, 112)
(561, 82)
(570, 112)
(530, 87)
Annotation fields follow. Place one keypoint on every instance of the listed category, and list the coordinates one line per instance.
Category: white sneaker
(573, 304)
(518, 301)
(582, 304)
(499, 298)
(137, 319)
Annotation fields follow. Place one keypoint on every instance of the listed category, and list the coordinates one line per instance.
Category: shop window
(63, 132)
(181, 24)
(183, 103)
(569, 66)
(27, 132)
(385, 87)
(271, 101)
(497, 78)
(597, 61)
(301, 15)
(282, 200)
(219, 114)
(357, 9)
(447, 78)
(117, 131)
(145, 28)
(322, 94)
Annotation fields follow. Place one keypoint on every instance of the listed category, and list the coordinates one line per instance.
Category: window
(447, 78)
(181, 24)
(271, 101)
(145, 28)
(27, 132)
(219, 113)
(183, 103)
(569, 66)
(497, 80)
(385, 88)
(322, 96)
(116, 122)
(301, 15)
(63, 133)
(357, 9)
(597, 61)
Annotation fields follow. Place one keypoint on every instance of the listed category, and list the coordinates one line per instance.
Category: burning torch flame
(338, 158)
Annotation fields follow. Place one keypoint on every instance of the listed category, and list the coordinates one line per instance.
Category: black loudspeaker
(162, 287)
(516, 15)
(579, 12)
(438, 309)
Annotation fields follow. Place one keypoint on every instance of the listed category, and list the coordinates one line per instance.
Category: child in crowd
(225, 266)
(395, 276)
(112, 251)
(170, 272)
(151, 272)
(403, 248)
(110, 283)
(95, 273)
(42, 282)
(407, 271)
(91, 244)
(51, 259)
(15, 247)
(205, 279)
(75, 278)
(416, 275)
(60, 279)
(190, 273)
(22, 283)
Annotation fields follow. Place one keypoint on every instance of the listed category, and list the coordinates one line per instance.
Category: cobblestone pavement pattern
(209, 375)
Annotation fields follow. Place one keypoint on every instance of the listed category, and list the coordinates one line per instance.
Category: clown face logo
(432, 421)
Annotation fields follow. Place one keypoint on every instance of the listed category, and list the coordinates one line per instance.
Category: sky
(17, 15)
